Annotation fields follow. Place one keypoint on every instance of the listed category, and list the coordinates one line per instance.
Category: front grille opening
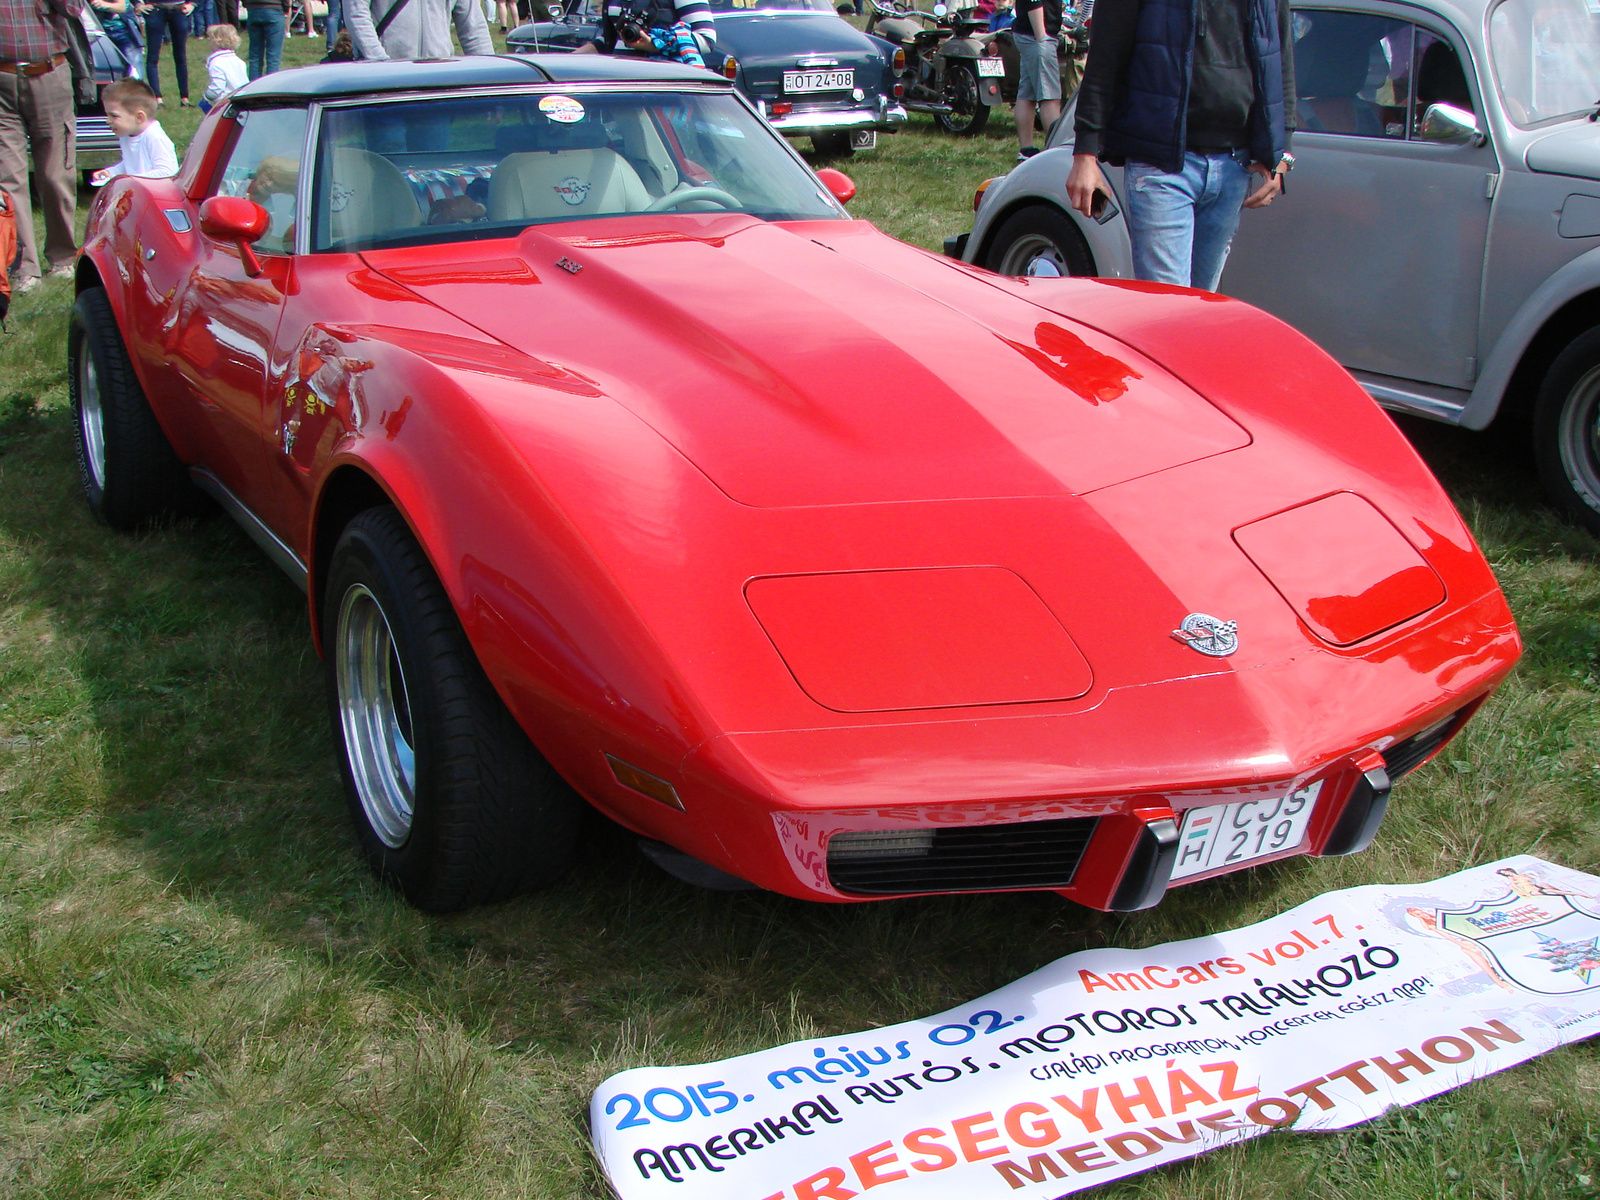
(978, 858)
(1402, 758)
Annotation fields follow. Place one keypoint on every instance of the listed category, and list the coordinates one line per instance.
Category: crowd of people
(1201, 115)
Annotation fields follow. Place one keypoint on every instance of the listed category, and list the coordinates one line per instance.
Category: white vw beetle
(1441, 232)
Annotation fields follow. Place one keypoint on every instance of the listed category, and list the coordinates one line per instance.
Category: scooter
(949, 72)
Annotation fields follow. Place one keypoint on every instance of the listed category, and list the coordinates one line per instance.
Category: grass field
(203, 994)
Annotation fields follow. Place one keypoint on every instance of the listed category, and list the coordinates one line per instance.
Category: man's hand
(643, 44)
(1083, 181)
(1271, 185)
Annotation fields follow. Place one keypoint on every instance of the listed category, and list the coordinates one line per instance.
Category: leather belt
(31, 70)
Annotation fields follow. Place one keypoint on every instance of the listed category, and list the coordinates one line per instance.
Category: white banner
(1110, 1062)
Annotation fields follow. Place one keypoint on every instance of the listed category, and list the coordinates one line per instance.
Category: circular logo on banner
(561, 108)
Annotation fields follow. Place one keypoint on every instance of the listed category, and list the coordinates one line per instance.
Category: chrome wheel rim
(1036, 255)
(375, 713)
(91, 418)
(1579, 438)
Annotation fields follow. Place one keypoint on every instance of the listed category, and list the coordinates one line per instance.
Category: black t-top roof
(484, 70)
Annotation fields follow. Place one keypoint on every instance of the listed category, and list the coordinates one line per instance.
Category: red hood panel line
(792, 374)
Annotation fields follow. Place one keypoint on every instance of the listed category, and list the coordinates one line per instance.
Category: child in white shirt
(223, 65)
(146, 149)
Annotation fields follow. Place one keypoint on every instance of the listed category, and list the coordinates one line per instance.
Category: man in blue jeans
(1196, 97)
(265, 24)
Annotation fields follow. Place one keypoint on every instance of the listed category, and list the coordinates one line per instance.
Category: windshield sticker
(572, 189)
(717, 129)
(564, 109)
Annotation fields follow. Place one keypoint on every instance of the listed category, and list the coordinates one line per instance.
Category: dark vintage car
(810, 73)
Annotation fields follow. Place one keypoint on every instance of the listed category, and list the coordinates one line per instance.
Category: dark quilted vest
(1148, 116)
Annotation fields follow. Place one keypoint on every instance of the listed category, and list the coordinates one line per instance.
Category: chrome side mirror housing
(1449, 123)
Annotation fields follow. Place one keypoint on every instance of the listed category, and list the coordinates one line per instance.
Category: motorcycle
(950, 73)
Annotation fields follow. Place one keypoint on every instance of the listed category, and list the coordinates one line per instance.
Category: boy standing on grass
(146, 149)
(223, 65)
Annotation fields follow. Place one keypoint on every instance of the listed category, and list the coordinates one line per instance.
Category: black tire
(968, 115)
(1566, 430)
(832, 145)
(130, 474)
(482, 815)
(1039, 241)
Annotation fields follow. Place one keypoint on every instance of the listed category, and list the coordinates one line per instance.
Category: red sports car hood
(824, 363)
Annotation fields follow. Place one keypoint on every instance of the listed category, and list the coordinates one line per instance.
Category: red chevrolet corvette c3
(617, 462)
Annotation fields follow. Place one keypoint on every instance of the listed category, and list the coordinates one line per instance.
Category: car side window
(264, 165)
(1366, 75)
(1352, 72)
(1439, 78)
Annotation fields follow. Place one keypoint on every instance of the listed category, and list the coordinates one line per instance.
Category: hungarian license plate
(991, 66)
(819, 81)
(1230, 835)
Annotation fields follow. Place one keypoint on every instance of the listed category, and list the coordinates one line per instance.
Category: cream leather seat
(542, 186)
(368, 196)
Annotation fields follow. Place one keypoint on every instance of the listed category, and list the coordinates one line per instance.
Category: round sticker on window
(561, 108)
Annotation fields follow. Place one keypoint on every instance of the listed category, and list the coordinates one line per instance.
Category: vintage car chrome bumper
(823, 120)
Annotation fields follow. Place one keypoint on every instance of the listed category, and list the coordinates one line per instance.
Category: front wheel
(1566, 426)
(968, 114)
(130, 474)
(452, 803)
(1040, 242)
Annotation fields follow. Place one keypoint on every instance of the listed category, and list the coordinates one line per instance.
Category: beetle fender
(1574, 280)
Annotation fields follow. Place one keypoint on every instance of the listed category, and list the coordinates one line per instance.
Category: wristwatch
(1285, 164)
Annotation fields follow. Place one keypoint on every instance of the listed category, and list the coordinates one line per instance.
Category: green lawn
(203, 994)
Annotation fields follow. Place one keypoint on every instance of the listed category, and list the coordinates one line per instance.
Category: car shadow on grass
(189, 662)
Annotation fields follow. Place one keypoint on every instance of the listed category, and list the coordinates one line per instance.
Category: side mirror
(840, 184)
(1448, 123)
(236, 219)
(557, 11)
(939, 10)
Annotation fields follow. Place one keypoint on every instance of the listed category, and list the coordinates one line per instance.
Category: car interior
(1371, 76)
(401, 172)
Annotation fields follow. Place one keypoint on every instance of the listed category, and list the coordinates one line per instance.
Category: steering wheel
(714, 194)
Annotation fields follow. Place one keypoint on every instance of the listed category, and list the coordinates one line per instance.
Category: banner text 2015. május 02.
(1110, 1062)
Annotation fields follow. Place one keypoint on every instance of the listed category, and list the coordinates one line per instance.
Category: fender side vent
(978, 858)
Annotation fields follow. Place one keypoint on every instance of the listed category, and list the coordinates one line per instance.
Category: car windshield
(1546, 57)
(722, 6)
(438, 170)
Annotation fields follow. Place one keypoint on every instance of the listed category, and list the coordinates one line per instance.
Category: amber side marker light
(645, 783)
(730, 67)
(977, 196)
(899, 67)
